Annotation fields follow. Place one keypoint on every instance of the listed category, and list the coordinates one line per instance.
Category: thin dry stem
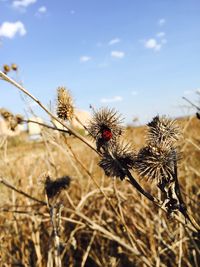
(9, 185)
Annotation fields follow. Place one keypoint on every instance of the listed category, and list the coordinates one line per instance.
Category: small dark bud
(54, 187)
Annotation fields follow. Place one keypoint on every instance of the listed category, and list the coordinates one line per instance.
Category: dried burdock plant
(19, 118)
(11, 120)
(117, 160)
(155, 163)
(54, 187)
(5, 113)
(65, 106)
(14, 67)
(105, 127)
(162, 130)
(158, 161)
(6, 68)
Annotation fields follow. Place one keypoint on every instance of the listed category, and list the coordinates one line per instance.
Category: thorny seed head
(117, 160)
(162, 130)
(54, 187)
(105, 126)
(11, 119)
(14, 67)
(5, 113)
(12, 123)
(156, 163)
(6, 68)
(65, 108)
(19, 118)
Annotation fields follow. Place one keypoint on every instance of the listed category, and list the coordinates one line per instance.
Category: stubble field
(100, 221)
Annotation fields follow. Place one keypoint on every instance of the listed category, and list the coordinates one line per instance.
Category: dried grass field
(94, 220)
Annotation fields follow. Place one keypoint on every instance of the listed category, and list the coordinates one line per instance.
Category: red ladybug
(106, 134)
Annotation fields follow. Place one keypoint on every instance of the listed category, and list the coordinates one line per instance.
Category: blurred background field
(91, 232)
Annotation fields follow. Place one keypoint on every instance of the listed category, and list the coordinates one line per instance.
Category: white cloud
(110, 100)
(114, 41)
(85, 58)
(160, 34)
(42, 9)
(153, 44)
(161, 21)
(23, 3)
(10, 29)
(117, 54)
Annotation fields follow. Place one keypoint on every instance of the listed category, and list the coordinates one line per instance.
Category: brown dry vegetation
(109, 224)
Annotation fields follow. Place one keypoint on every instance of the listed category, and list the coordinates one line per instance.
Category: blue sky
(139, 56)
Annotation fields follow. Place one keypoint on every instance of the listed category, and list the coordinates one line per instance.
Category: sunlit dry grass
(101, 221)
